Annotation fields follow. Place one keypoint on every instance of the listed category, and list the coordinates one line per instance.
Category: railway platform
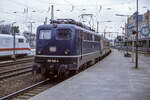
(113, 78)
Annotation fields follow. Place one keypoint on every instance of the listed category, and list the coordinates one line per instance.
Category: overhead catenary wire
(20, 4)
(25, 5)
(73, 8)
(12, 14)
(20, 14)
(28, 7)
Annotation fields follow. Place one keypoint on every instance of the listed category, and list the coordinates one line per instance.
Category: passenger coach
(22, 47)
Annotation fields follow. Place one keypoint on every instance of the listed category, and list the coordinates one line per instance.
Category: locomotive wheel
(66, 74)
(46, 75)
(43, 71)
(60, 76)
(77, 71)
(85, 66)
(36, 76)
(73, 72)
(51, 77)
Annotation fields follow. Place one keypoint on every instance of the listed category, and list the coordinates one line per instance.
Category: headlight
(39, 52)
(66, 52)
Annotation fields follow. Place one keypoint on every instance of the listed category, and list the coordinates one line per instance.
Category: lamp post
(97, 26)
(123, 35)
(107, 21)
(52, 12)
(126, 37)
(136, 61)
(31, 32)
(14, 42)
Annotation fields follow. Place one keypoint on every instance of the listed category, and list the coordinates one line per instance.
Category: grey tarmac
(113, 78)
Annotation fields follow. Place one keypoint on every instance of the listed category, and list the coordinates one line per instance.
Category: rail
(15, 72)
(9, 63)
(23, 90)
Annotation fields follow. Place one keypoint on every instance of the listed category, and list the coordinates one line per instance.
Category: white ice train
(6, 45)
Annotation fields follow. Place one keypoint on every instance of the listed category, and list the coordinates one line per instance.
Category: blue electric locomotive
(65, 46)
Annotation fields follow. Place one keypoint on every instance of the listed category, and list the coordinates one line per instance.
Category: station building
(143, 31)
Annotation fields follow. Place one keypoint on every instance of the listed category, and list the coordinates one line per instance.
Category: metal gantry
(14, 42)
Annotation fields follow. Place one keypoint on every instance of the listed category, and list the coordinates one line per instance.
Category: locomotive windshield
(45, 34)
(63, 34)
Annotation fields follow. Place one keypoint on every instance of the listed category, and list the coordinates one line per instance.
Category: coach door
(80, 42)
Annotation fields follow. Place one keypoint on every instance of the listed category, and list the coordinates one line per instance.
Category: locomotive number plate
(52, 49)
(53, 60)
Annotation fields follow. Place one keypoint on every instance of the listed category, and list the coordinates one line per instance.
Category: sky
(102, 10)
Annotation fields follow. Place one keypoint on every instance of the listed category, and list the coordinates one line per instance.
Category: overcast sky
(70, 9)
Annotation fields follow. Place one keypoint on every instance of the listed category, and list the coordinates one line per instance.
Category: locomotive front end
(55, 49)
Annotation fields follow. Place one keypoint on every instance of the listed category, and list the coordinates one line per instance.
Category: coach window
(85, 36)
(45, 34)
(79, 34)
(97, 38)
(63, 34)
(88, 36)
(93, 37)
(20, 40)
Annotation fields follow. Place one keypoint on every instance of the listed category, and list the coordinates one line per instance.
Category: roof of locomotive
(49, 26)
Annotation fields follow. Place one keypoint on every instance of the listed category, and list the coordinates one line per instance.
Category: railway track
(33, 90)
(19, 61)
(29, 92)
(15, 72)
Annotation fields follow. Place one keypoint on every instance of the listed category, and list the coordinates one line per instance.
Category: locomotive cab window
(45, 34)
(63, 34)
